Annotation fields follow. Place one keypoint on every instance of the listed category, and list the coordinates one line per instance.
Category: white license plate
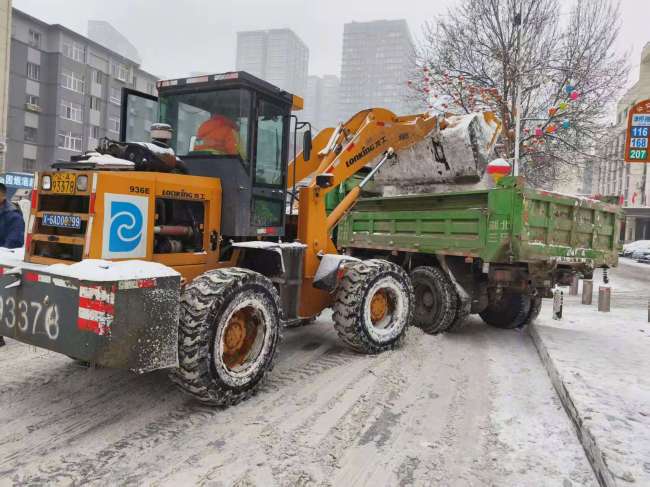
(61, 221)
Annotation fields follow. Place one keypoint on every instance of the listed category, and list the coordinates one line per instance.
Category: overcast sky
(178, 37)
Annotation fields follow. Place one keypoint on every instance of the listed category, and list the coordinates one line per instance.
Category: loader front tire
(511, 310)
(373, 305)
(436, 299)
(228, 335)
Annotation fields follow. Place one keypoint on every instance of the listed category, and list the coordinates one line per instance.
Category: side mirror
(306, 145)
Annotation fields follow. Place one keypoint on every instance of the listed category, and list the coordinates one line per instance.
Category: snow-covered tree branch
(470, 59)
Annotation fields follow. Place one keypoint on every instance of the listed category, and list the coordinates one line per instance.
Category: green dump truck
(494, 252)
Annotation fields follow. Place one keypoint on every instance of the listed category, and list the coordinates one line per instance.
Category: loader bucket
(458, 153)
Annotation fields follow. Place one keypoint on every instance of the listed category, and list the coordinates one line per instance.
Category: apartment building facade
(64, 93)
(376, 61)
(611, 175)
(278, 56)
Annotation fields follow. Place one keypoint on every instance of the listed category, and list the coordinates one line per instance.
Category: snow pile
(12, 254)
(107, 161)
(104, 270)
(456, 155)
(91, 269)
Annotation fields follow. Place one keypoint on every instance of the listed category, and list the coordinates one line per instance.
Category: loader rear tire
(373, 306)
(436, 299)
(228, 335)
(512, 310)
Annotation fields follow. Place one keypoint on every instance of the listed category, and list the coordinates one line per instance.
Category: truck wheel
(535, 308)
(373, 305)
(228, 334)
(436, 299)
(513, 310)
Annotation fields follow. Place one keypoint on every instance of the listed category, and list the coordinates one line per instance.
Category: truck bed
(510, 223)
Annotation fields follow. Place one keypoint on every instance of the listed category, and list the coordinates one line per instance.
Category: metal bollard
(604, 298)
(587, 291)
(573, 289)
(558, 302)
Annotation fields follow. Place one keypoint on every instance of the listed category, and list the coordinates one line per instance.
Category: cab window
(209, 123)
(270, 137)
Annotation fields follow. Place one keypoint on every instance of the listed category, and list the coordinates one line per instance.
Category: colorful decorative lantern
(563, 105)
(574, 95)
(538, 132)
(569, 89)
(498, 168)
(565, 123)
(551, 129)
(552, 111)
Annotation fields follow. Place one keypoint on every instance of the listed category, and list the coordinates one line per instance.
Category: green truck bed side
(510, 223)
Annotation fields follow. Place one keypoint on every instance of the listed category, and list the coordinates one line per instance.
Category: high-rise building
(321, 101)
(64, 93)
(278, 56)
(611, 175)
(377, 59)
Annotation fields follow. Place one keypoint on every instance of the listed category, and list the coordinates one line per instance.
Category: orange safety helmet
(219, 134)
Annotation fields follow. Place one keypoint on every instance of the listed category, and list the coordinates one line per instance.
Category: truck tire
(228, 335)
(373, 305)
(436, 299)
(535, 308)
(460, 318)
(513, 310)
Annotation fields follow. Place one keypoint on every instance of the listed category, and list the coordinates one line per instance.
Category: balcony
(30, 107)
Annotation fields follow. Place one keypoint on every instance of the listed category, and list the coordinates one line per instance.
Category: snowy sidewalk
(599, 364)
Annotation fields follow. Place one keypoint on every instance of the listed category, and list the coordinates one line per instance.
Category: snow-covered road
(471, 408)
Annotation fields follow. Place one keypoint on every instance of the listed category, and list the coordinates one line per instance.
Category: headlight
(82, 183)
(46, 184)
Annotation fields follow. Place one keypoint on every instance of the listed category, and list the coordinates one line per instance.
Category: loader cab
(231, 126)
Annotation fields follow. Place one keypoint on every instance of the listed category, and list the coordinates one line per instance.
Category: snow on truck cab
(178, 252)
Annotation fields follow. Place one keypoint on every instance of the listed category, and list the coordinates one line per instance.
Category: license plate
(64, 183)
(61, 221)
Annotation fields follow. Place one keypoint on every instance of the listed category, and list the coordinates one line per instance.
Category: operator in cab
(12, 225)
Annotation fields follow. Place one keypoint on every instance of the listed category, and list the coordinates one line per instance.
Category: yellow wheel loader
(178, 246)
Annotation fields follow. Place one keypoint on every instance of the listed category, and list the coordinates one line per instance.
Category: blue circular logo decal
(126, 227)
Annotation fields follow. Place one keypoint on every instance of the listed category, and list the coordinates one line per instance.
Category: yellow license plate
(64, 183)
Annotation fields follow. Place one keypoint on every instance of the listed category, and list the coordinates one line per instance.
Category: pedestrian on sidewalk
(12, 227)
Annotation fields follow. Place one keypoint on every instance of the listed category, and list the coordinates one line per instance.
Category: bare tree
(472, 59)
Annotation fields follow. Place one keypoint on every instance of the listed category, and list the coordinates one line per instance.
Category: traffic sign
(638, 133)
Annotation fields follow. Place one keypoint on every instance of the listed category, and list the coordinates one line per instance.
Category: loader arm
(337, 155)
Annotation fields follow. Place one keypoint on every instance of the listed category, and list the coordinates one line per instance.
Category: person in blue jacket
(12, 225)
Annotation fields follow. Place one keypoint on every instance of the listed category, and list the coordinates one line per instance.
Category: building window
(33, 71)
(32, 101)
(116, 96)
(69, 141)
(114, 124)
(151, 88)
(94, 103)
(71, 111)
(34, 38)
(97, 76)
(94, 132)
(74, 51)
(121, 72)
(72, 81)
(29, 165)
(31, 134)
